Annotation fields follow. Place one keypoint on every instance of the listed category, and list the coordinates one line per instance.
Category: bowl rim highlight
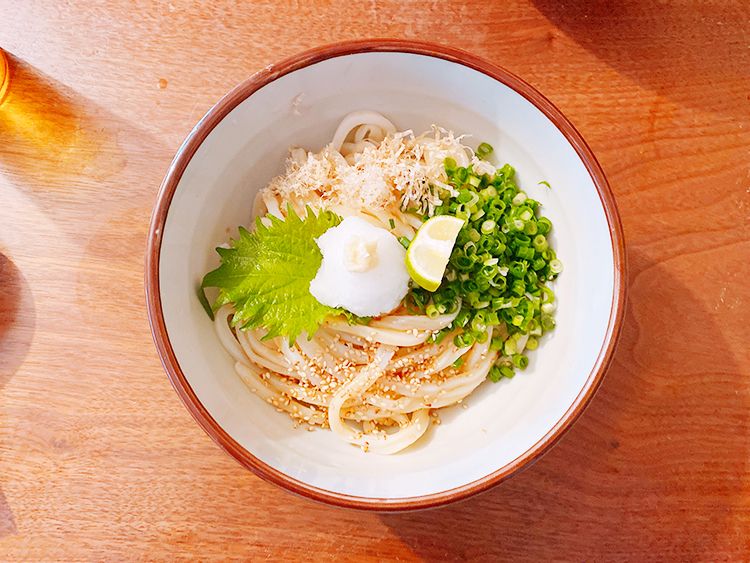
(172, 179)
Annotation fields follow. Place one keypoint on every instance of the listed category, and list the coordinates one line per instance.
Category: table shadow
(52, 138)
(58, 147)
(17, 326)
(622, 480)
(687, 54)
(70, 157)
(17, 319)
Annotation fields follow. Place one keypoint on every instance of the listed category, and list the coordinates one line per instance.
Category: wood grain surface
(99, 460)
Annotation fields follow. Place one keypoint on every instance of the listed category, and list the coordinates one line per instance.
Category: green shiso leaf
(266, 275)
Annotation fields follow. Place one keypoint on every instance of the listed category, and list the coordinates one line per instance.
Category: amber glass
(4, 75)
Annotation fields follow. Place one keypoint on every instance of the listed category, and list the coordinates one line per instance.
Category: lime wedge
(430, 250)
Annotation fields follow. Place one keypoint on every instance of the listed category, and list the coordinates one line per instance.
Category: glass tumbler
(4, 75)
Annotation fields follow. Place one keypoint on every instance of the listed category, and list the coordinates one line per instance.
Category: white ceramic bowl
(242, 142)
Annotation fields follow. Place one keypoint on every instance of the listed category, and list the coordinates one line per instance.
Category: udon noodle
(373, 385)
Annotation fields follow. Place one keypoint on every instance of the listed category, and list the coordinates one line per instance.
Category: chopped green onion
(478, 324)
(540, 243)
(468, 286)
(517, 269)
(519, 199)
(498, 268)
(495, 374)
(488, 193)
(405, 242)
(522, 240)
(440, 336)
(548, 296)
(488, 226)
(462, 318)
(463, 340)
(484, 150)
(463, 263)
(544, 225)
(477, 215)
(525, 252)
(520, 361)
(392, 223)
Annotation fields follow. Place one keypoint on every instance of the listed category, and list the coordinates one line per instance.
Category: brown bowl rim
(221, 110)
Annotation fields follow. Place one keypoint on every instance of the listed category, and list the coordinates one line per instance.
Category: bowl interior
(499, 422)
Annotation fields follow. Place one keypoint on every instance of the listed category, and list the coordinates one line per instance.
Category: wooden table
(98, 458)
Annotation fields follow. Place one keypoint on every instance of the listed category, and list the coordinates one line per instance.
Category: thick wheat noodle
(244, 340)
(312, 349)
(373, 384)
(296, 359)
(385, 443)
(341, 348)
(369, 131)
(280, 388)
(443, 361)
(357, 146)
(469, 372)
(381, 335)
(464, 384)
(266, 392)
(356, 119)
(292, 388)
(411, 322)
(400, 228)
(298, 155)
(412, 220)
(226, 336)
(345, 337)
(272, 205)
(298, 206)
(414, 354)
(286, 390)
(358, 412)
(432, 359)
(259, 206)
(268, 349)
(402, 405)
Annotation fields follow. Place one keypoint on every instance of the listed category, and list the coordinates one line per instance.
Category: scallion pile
(499, 268)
